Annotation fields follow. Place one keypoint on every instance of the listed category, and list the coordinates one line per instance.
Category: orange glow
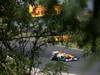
(58, 9)
(62, 38)
(38, 11)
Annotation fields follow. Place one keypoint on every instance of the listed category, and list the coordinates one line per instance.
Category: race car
(62, 56)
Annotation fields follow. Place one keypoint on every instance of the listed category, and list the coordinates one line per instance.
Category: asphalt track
(76, 66)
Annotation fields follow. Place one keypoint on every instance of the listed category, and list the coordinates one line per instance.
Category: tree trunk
(93, 49)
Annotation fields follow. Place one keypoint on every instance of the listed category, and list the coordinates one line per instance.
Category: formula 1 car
(61, 56)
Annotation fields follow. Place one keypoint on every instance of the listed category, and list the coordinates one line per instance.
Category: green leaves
(82, 3)
(55, 68)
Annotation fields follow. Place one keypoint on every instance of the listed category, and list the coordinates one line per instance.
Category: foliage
(91, 57)
(16, 20)
(55, 68)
